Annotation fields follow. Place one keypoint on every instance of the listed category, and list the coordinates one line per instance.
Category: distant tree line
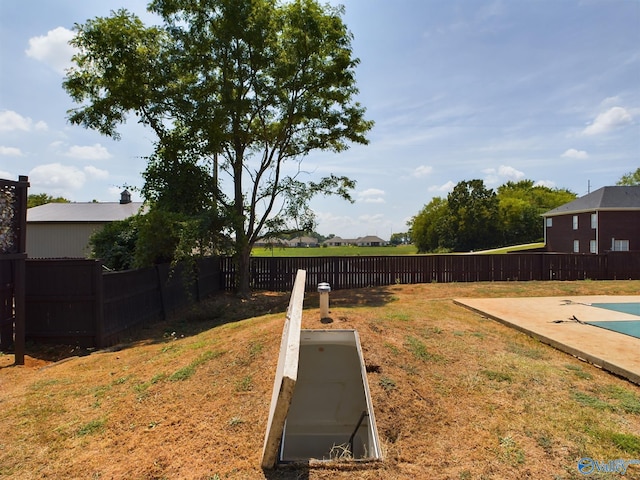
(37, 199)
(474, 217)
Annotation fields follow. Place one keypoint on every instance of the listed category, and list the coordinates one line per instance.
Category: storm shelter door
(286, 373)
(331, 413)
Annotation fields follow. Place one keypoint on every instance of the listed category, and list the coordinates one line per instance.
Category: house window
(575, 222)
(549, 222)
(594, 220)
(619, 245)
(593, 246)
(576, 246)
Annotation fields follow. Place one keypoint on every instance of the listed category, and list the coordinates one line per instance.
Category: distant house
(336, 242)
(302, 242)
(604, 220)
(62, 230)
(368, 241)
(270, 242)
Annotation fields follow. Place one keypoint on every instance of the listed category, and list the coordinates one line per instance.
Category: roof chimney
(125, 197)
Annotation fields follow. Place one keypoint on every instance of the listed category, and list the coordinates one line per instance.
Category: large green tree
(630, 179)
(473, 221)
(243, 89)
(521, 205)
(474, 217)
(428, 226)
(115, 244)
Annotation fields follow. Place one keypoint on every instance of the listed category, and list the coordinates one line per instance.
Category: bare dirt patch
(456, 395)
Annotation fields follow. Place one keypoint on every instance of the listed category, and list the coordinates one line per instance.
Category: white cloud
(510, 173)
(422, 171)
(53, 49)
(114, 192)
(371, 195)
(6, 175)
(369, 220)
(57, 177)
(353, 227)
(10, 151)
(374, 200)
(94, 172)
(545, 183)
(10, 121)
(444, 188)
(577, 154)
(610, 102)
(613, 118)
(503, 173)
(92, 152)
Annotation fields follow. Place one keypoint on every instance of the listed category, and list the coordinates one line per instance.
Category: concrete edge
(594, 360)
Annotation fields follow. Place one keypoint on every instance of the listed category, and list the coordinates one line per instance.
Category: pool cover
(627, 327)
(631, 308)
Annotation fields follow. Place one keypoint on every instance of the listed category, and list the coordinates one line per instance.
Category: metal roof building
(62, 230)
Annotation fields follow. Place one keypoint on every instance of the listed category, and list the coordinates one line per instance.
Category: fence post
(98, 305)
(161, 278)
(19, 272)
(20, 327)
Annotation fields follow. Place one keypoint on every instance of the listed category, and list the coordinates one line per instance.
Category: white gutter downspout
(597, 232)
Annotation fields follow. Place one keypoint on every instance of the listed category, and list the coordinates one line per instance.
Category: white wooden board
(286, 373)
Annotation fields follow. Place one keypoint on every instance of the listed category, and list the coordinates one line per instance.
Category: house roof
(605, 198)
(82, 212)
(369, 239)
(303, 239)
(336, 239)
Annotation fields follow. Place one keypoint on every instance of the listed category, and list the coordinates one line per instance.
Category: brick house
(607, 219)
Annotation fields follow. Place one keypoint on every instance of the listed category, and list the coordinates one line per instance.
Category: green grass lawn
(349, 251)
(352, 251)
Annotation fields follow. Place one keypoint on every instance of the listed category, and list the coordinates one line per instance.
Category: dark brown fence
(74, 302)
(278, 273)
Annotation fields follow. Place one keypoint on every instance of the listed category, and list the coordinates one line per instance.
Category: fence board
(277, 273)
(131, 300)
(74, 302)
(208, 276)
(6, 306)
(61, 301)
(622, 266)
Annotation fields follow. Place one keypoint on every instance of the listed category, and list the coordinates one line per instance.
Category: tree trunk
(243, 262)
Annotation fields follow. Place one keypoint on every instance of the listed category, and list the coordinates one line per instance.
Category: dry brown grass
(456, 396)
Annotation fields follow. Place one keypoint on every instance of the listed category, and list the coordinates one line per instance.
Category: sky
(498, 90)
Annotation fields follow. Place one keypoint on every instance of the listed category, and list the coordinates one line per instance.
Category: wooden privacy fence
(278, 273)
(75, 302)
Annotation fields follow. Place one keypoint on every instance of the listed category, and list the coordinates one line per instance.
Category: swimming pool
(626, 327)
(632, 308)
